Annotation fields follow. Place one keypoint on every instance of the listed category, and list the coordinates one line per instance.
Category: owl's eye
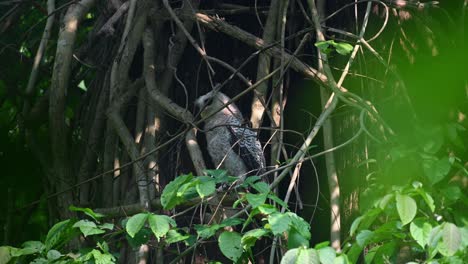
(209, 101)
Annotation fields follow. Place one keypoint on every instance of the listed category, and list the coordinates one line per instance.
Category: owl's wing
(244, 143)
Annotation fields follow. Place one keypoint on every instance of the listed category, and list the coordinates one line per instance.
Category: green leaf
(420, 229)
(436, 170)
(159, 224)
(250, 237)
(322, 44)
(24, 252)
(452, 193)
(207, 231)
(300, 225)
(102, 258)
(170, 196)
(232, 222)
(355, 225)
(37, 245)
(230, 245)
(301, 255)
(59, 234)
(406, 207)
(82, 86)
(434, 236)
(5, 255)
(140, 238)
(173, 236)
(323, 244)
(279, 223)
(267, 209)
(327, 255)
(135, 223)
(261, 187)
(343, 48)
(364, 238)
(385, 200)
(278, 200)
(88, 228)
(53, 254)
(255, 200)
(108, 226)
(220, 176)
(427, 198)
(88, 211)
(205, 186)
(296, 239)
(342, 259)
(451, 240)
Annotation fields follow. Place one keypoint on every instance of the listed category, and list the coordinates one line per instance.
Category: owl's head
(213, 102)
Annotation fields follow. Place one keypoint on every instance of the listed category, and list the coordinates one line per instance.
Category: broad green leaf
(207, 231)
(5, 254)
(232, 222)
(301, 255)
(140, 238)
(108, 226)
(451, 240)
(261, 187)
(267, 209)
(343, 48)
(159, 224)
(296, 239)
(427, 198)
(278, 200)
(385, 252)
(205, 186)
(135, 223)
(321, 245)
(342, 259)
(173, 236)
(250, 237)
(364, 238)
(53, 254)
(230, 245)
(88, 211)
(385, 200)
(40, 261)
(355, 225)
(37, 245)
(436, 170)
(434, 236)
(59, 234)
(24, 252)
(420, 230)
(170, 197)
(102, 258)
(255, 200)
(279, 223)
(406, 207)
(300, 225)
(452, 193)
(327, 255)
(323, 46)
(88, 228)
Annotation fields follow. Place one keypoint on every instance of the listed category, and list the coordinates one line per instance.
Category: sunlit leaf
(406, 207)
(135, 223)
(230, 245)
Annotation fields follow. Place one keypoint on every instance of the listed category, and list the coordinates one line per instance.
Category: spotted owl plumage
(232, 145)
